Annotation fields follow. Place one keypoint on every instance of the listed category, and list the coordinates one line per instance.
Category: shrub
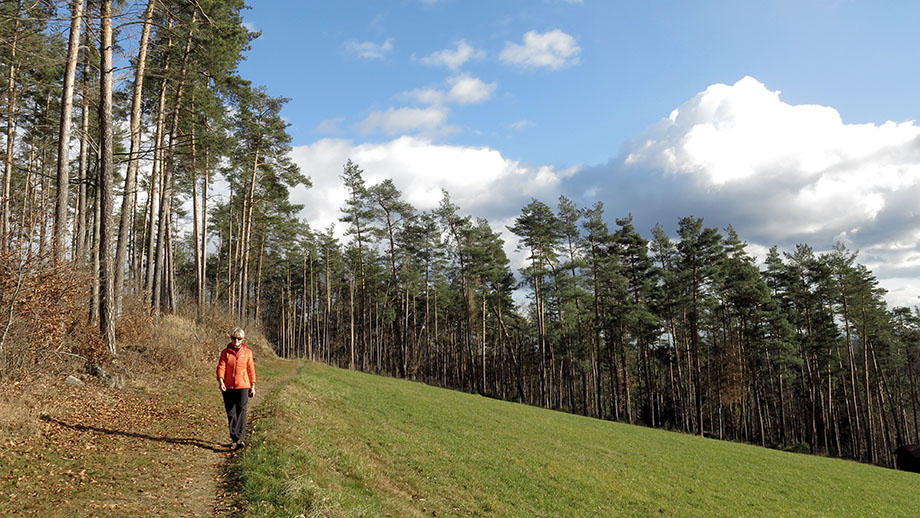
(43, 315)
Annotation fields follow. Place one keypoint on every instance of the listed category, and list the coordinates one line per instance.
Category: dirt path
(93, 451)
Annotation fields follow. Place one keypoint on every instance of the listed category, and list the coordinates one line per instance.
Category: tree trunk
(126, 220)
(855, 424)
(328, 313)
(28, 203)
(196, 232)
(246, 217)
(161, 275)
(106, 177)
(82, 221)
(154, 185)
(351, 325)
(63, 159)
(309, 326)
(11, 98)
(97, 216)
(205, 182)
(258, 309)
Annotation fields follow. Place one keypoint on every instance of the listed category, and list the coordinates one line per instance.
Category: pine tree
(631, 250)
(357, 214)
(393, 212)
(538, 229)
(596, 242)
(63, 159)
(699, 254)
(260, 170)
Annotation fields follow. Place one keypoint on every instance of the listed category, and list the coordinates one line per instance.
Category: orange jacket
(237, 367)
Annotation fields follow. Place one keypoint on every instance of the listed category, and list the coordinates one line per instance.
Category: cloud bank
(480, 180)
(736, 154)
(781, 174)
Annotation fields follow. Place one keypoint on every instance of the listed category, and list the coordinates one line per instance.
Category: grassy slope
(339, 443)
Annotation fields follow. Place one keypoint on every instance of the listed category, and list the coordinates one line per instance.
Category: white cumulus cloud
(480, 180)
(822, 174)
(554, 50)
(469, 90)
(330, 126)
(733, 154)
(461, 89)
(393, 121)
(369, 49)
(453, 58)
(779, 173)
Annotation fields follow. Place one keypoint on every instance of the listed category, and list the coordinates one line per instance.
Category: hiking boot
(240, 445)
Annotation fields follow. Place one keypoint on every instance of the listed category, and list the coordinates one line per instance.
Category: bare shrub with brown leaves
(43, 316)
(134, 326)
(45, 327)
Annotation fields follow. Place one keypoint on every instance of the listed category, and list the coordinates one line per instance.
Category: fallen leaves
(104, 452)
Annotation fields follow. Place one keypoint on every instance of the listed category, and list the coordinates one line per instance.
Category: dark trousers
(235, 401)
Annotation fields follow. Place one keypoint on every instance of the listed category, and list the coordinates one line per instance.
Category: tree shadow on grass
(186, 441)
(229, 500)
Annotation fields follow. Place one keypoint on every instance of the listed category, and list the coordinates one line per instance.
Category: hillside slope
(157, 447)
(338, 443)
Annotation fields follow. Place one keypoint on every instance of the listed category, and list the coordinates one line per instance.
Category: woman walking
(236, 377)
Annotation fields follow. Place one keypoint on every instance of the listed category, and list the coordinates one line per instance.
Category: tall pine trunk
(162, 278)
(106, 180)
(63, 158)
(11, 100)
(154, 185)
(81, 224)
(129, 197)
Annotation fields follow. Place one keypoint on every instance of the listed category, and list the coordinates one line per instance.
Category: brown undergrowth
(44, 320)
(155, 447)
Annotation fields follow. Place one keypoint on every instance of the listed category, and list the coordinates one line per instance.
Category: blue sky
(637, 61)
(791, 120)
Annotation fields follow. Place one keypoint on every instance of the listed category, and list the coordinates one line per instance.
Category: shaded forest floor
(158, 447)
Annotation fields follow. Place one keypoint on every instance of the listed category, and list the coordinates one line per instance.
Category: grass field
(332, 442)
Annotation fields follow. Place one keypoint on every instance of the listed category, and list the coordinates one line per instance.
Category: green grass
(338, 443)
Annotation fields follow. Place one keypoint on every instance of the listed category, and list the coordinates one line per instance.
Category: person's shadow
(198, 443)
